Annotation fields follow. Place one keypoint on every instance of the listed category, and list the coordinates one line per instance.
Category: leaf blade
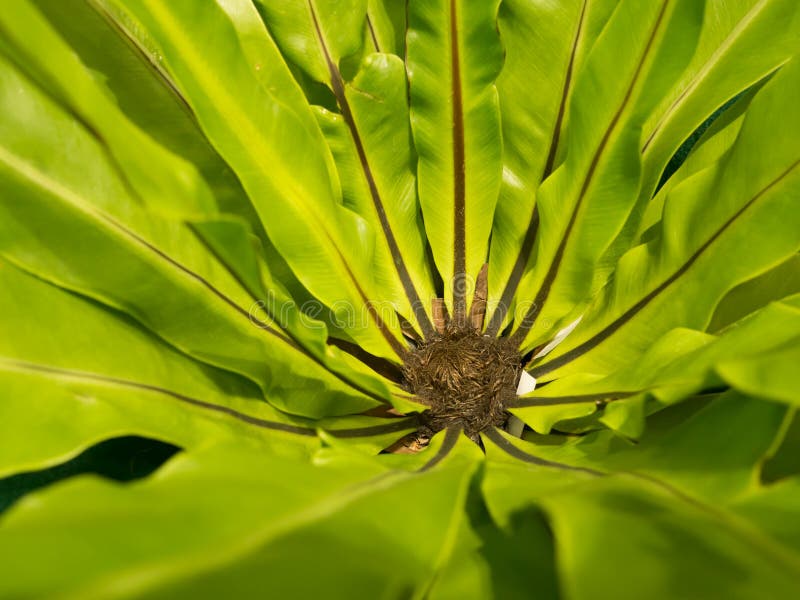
(458, 141)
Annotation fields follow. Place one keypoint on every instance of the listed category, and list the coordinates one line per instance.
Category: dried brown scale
(467, 379)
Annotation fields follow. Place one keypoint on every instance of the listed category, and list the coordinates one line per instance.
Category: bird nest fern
(437, 298)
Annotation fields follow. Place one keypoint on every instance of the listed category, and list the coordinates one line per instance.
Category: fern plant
(414, 289)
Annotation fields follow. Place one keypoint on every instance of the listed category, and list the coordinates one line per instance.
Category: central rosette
(467, 379)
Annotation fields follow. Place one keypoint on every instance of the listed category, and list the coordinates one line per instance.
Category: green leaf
(284, 510)
(492, 563)
(153, 268)
(453, 58)
(160, 179)
(771, 375)
(277, 149)
(585, 203)
(674, 547)
(775, 509)
(370, 141)
(733, 433)
(185, 508)
(661, 510)
(386, 21)
(312, 32)
(261, 51)
(230, 241)
(686, 357)
(704, 249)
(709, 149)
(731, 55)
(372, 145)
(746, 297)
(225, 224)
(783, 459)
(74, 373)
(545, 47)
(129, 67)
(676, 366)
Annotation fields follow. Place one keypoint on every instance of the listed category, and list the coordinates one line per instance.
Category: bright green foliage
(223, 222)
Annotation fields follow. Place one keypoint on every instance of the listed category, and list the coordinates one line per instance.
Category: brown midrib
(459, 177)
(372, 35)
(526, 402)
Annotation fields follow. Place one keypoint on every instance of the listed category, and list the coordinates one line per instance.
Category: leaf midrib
(459, 174)
(144, 55)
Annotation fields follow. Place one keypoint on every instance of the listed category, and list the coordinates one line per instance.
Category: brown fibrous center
(467, 379)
